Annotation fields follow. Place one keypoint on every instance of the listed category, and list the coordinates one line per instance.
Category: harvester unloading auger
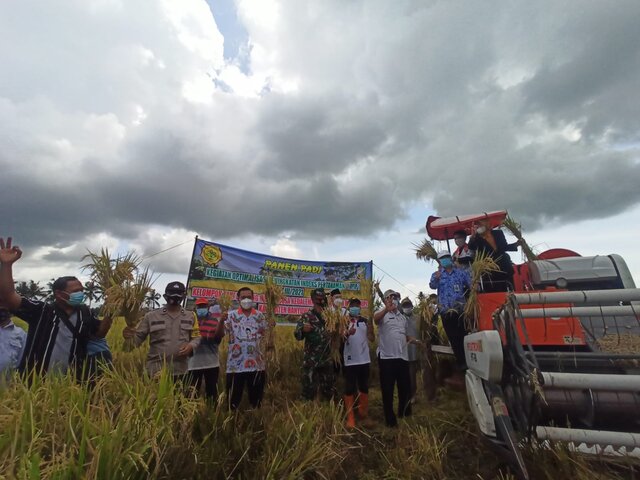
(540, 367)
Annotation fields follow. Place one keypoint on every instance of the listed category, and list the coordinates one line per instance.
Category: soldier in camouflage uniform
(317, 366)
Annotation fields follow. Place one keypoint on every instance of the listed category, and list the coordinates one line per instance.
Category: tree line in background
(93, 291)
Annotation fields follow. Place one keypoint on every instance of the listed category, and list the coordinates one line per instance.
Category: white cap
(443, 253)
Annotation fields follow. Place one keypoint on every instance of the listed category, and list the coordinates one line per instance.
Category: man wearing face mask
(452, 284)
(173, 334)
(462, 255)
(393, 357)
(406, 306)
(494, 244)
(317, 367)
(356, 359)
(204, 365)
(245, 328)
(58, 331)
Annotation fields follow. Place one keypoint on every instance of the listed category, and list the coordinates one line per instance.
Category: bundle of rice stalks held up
(274, 294)
(425, 251)
(124, 282)
(516, 230)
(335, 322)
(483, 265)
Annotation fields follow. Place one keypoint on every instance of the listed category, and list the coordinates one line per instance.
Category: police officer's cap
(175, 288)
(335, 291)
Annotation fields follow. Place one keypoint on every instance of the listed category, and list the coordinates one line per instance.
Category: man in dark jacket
(59, 331)
(494, 244)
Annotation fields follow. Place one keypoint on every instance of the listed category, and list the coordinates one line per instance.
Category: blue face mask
(76, 299)
(446, 263)
(202, 312)
(354, 311)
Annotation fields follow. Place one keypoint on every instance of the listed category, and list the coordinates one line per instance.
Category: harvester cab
(557, 359)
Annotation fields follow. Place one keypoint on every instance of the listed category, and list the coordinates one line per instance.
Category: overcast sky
(324, 129)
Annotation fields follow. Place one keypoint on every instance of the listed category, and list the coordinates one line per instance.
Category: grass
(132, 427)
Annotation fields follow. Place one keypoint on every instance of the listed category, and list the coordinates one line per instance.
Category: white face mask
(337, 302)
(459, 242)
(246, 303)
(481, 230)
(407, 310)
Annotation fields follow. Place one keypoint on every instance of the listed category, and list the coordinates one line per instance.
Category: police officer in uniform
(172, 331)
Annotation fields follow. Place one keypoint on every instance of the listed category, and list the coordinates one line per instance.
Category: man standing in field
(58, 331)
(356, 359)
(393, 357)
(245, 328)
(317, 366)
(12, 341)
(204, 365)
(172, 331)
(412, 350)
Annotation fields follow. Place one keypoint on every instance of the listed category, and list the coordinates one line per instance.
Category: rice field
(132, 427)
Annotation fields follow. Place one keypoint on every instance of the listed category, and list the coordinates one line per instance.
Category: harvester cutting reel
(522, 392)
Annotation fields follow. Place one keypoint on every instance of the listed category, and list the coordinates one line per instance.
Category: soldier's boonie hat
(391, 293)
(174, 288)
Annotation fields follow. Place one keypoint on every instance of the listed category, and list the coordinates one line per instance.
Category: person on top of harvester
(59, 331)
(452, 284)
(462, 255)
(493, 243)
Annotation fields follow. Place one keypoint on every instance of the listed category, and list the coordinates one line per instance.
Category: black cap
(354, 301)
(335, 291)
(175, 288)
(317, 292)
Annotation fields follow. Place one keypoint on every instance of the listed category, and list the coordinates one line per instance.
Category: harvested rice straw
(625, 343)
(225, 300)
(273, 293)
(335, 323)
(125, 285)
(516, 230)
(482, 265)
(367, 290)
(425, 250)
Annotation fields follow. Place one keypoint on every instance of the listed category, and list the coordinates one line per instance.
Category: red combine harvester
(537, 373)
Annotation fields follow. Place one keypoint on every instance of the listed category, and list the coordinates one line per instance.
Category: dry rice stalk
(124, 283)
(425, 250)
(367, 290)
(625, 343)
(482, 265)
(273, 293)
(335, 322)
(516, 230)
(225, 300)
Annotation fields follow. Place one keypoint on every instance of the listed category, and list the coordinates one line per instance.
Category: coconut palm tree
(93, 292)
(30, 289)
(152, 299)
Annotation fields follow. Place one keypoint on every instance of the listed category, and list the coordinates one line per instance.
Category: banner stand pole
(193, 252)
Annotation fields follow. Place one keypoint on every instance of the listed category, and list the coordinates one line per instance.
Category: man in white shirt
(393, 357)
(356, 359)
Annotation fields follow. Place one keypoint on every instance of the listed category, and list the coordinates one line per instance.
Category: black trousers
(254, 381)
(356, 379)
(208, 376)
(453, 323)
(392, 371)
